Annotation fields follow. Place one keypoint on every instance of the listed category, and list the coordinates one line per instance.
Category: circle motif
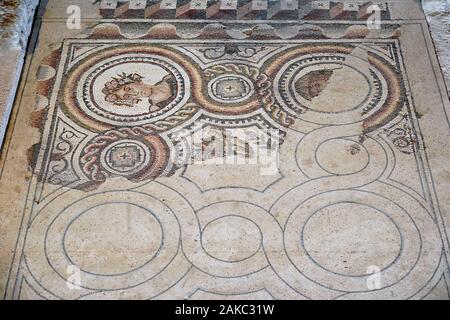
(83, 220)
(129, 86)
(241, 260)
(142, 87)
(126, 157)
(230, 88)
(312, 86)
(346, 238)
(125, 152)
(307, 85)
(341, 156)
(113, 239)
(231, 238)
(310, 263)
(301, 74)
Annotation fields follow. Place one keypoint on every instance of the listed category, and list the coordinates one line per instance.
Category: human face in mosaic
(130, 90)
(317, 83)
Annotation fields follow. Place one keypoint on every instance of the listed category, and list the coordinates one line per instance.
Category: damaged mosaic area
(135, 181)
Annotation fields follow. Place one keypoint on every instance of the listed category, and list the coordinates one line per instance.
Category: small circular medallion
(126, 157)
(128, 89)
(230, 88)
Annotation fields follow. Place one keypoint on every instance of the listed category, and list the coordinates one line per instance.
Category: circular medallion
(125, 153)
(330, 85)
(131, 89)
(230, 88)
(128, 86)
(116, 238)
(306, 87)
(352, 237)
(231, 238)
(126, 157)
(317, 89)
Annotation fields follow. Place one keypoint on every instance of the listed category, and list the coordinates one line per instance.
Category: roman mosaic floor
(243, 149)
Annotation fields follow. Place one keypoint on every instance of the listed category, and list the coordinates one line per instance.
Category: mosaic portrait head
(128, 90)
(311, 85)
